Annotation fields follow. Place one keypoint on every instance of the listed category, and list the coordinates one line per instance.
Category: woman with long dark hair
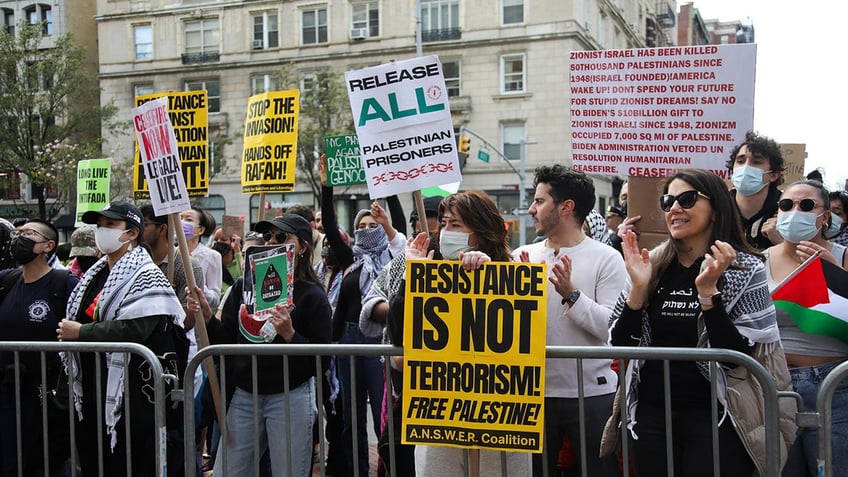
(703, 287)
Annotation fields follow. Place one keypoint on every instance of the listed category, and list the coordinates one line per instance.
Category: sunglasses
(685, 199)
(805, 205)
(279, 236)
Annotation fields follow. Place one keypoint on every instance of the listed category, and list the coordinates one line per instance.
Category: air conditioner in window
(257, 44)
(358, 33)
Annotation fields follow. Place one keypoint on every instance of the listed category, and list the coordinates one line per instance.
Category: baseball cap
(288, 223)
(613, 211)
(117, 210)
(82, 242)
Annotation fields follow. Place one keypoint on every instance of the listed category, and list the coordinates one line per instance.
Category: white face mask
(107, 239)
(452, 243)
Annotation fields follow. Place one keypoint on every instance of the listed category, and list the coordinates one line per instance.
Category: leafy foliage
(50, 112)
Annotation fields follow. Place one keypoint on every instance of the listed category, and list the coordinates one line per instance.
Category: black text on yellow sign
(474, 355)
(189, 116)
(269, 158)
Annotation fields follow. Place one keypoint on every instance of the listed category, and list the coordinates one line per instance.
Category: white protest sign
(404, 126)
(160, 157)
(651, 111)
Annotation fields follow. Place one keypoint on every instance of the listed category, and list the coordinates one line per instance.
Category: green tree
(324, 111)
(50, 112)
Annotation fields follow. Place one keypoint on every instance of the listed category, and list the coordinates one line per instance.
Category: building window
(10, 185)
(440, 20)
(365, 20)
(451, 70)
(202, 36)
(216, 160)
(511, 134)
(314, 26)
(308, 81)
(143, 38)
(142, 90)
(9, 21)
(40, 13)
(213, 92)
(266, 30)
(263, 83)
(512, 73)
(513, 11)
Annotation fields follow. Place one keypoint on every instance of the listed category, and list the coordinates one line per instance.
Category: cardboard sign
(652, 111)
(189, 117)
(92, 186)
(643, 198)
(157, 145)
(404, 125)
(344, 164)
(269, 157)
(474, 355)
(794, 158)
(232, 225)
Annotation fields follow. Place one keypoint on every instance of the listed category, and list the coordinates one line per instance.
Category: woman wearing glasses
(803, 214)
(703, 287)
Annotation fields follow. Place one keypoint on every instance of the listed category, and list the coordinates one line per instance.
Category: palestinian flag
(815, 296)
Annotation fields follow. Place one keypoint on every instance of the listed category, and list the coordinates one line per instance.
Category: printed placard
(651, 111)
(474, 355)
(189, 117)
(92, 186)
(157, 145)
(269, 157)
(344, 163)
(276, 264)
(404, 125)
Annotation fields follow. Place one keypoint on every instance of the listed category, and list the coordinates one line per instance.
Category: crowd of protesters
(706, 285)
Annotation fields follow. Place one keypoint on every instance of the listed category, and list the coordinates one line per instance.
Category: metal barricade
(45, 348)
(714, 356)
(824, 406)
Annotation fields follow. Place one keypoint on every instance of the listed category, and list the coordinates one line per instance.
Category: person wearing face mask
(124, 297)
(756, 168)
(375, 242)
(196, 222)
(84, 251)
(473, 232)
(838, 230)
(32, 302)
(804, 214)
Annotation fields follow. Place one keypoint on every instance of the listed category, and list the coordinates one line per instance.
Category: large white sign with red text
(651, 111)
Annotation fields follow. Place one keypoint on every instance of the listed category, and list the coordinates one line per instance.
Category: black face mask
(23, 250)
(330, 257)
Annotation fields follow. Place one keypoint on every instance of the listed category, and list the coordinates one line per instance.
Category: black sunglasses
(805, 205)
(685, 199)
(279, 236)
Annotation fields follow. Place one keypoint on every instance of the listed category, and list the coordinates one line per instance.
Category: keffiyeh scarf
(135, 288)
(370, 252)
(598, 227)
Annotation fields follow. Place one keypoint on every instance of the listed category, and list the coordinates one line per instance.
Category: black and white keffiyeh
(135, 288)
(370, 252)
(598, 227)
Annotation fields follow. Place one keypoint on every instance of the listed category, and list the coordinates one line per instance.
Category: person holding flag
(809, 287)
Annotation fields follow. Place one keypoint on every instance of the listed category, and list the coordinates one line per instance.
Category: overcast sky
(799, 92)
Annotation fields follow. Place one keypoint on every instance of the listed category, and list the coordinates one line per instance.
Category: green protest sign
(92, 186)
(344, 166)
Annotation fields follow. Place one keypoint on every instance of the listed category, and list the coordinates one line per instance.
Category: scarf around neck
(370, 252)
(134, 288)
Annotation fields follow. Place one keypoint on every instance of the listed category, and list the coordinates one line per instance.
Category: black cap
(118, 210)
(288, 223)
(431, 208)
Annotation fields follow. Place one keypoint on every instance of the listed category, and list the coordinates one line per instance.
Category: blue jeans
(804, 453)
(369, 386)
(273, 430)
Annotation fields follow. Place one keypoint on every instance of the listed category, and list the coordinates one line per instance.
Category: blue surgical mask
(835, 227)
(452, 243)
(748, 180)
(796, 226)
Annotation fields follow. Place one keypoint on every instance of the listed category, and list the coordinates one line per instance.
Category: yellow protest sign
(189, 116)
(474, 355)
(269, 158)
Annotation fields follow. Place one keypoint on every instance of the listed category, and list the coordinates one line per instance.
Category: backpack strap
(8, 280)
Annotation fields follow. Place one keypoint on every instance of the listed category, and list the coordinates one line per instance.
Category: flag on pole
(815, 296)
